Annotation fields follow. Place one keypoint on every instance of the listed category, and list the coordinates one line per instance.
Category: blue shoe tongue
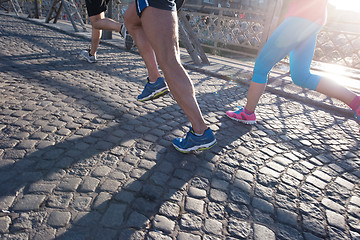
(237, 111)
(240, 109)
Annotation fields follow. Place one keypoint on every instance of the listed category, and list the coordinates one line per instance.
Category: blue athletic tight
(297, 37)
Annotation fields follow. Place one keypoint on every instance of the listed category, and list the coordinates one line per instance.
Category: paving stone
(81, 203)
(355, 200)
(328, 203)
(45, 144)
(335, 219)
(123, 167)
(200, 182)
(311, 208)
(4, 224)
(14, 154)
(60, 201)
(269, 172)
(268, 152)
(262, 205)
(219, 184)
(197, 193)
(157, 236)
(132, 185)
(163, 223)
(87, 219)
(27, 144)
(30, 202)
(137, 220)
(89, 184)
(45, 234)
(354, 235)
(309, 236)
(217, 195)
(20, 236)
(290, 180)
(263, 192)
(314, 225)
(291, 157)
(263, 233)
(170, 210)
(344, 183)
(137, 173)
(287, 217)
(114, 216)
(152, 192)
(213, 226)
(147, 164)
(216, 210)
(69, 184)
(110, 185)
(124, 196)
(41, 188)
(240, 197)
(194, 205)
(239, 228)
(185, 236)
(177, 183)
(316, 182)
(335, 233)
(190, 221)
(286, 232)
(101, 201)
(6, 202)
(59, 219)
(22, 222)
(321, 175)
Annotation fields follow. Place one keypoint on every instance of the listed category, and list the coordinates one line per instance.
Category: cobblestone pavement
(80, 158)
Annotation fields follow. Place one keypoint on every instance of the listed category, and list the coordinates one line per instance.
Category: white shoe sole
(243, 121)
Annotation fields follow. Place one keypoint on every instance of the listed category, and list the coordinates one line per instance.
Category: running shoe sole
(86, 58)
(251, 122)
(156, 94)
(196, 148)
(129, 42)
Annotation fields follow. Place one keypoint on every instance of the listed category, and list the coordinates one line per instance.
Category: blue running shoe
(154, 90)
(192, 142)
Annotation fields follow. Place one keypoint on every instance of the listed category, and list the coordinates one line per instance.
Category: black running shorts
(95, 7)
(170, 5)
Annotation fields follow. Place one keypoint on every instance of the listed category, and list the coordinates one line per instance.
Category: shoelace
(187, 136)
(356, 115)
(240, 109)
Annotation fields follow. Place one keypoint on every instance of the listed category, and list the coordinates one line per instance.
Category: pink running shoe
(240, 116)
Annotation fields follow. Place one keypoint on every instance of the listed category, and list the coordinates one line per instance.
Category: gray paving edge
(345, 112)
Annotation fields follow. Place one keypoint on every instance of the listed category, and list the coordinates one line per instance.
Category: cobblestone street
(81, 158)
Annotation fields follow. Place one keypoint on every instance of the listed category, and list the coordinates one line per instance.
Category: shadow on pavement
(141, 178)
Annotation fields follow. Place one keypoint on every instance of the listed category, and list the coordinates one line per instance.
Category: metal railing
(338, 47)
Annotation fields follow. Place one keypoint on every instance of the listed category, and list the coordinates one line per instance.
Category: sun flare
(349, 5)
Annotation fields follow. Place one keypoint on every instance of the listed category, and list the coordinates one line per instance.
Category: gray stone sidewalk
(80, 158)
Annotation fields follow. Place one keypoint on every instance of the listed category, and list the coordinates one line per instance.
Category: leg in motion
(300, 62)
(156, 85)
(280, 43)
(164, 40)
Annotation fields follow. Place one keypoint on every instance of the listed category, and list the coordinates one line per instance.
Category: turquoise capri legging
(297, 37)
